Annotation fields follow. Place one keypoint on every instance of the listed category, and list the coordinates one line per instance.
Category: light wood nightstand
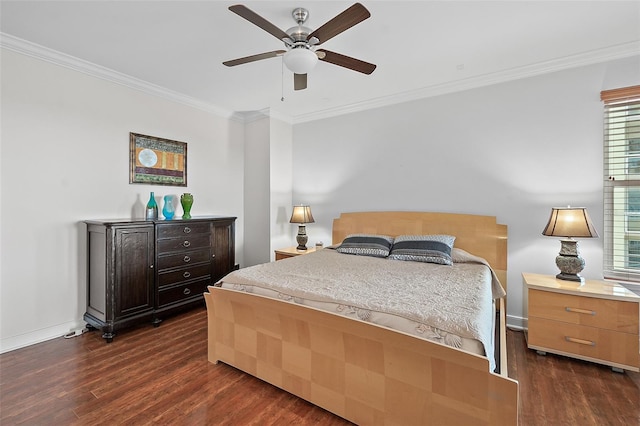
(596, 321)
(292, 252)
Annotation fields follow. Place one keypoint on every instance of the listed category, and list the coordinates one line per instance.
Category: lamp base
(570, 277)
(569, 261)
(302, 238)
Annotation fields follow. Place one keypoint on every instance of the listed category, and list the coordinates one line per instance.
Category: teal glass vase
(151, 213)
(168, 210)
(186, 200)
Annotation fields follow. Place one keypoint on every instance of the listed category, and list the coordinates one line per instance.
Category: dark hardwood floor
(162, 376)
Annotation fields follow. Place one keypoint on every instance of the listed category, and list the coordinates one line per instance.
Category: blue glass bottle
(168, 210)
(152, 208)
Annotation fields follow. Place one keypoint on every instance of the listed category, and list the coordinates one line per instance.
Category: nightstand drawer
(280, 256)
(590, 342)
(607, 314)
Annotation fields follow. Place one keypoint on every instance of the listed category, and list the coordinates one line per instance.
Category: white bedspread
(456, 299)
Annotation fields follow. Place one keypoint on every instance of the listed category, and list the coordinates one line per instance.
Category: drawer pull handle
(187, 230)
(186, 243)
(580, 341)
(579, 311)
(186, 291)
(187, 274)
(187, 259)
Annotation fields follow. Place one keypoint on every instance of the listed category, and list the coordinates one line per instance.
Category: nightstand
(596, 321)
(292, 252)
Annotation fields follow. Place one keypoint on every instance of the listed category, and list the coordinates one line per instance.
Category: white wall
(281, 185)
(65, 158)
(268, 187)
(257, 191)
(511, 150)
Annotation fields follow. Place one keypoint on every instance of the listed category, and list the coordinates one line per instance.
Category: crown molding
(38, 51)
(588, 58)
(250, 116)
(34, 50)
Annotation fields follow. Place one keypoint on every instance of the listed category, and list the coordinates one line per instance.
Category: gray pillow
(366, 245)
(423, 248)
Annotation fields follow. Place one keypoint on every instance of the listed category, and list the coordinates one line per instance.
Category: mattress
(451, 305)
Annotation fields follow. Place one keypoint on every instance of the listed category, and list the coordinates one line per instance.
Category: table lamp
(301, 215)
(570, 223)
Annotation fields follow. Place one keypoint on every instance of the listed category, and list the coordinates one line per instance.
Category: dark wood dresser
(141, 271)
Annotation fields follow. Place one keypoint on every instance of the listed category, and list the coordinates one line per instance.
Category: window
(622, 183)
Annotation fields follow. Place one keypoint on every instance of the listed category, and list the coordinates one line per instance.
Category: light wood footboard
(360, 371)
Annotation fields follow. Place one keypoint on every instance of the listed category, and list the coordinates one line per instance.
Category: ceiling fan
(301, 53)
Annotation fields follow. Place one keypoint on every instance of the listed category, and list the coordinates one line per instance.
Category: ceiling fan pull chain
(282, 79)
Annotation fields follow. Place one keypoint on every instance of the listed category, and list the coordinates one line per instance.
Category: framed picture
(157, 161)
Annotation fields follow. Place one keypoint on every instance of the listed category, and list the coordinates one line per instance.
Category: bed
(359, 370)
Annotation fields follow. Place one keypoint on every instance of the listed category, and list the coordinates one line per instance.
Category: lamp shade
(300, 60)
(570, 222)
(301, 214)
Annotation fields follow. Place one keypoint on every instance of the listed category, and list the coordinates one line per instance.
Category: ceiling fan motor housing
(298, 34)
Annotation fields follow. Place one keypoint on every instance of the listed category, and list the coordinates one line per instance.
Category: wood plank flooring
(161, 376)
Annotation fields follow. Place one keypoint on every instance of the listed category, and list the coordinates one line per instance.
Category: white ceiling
(422, 48)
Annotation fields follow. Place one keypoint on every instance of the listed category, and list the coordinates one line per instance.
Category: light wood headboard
(479, 235)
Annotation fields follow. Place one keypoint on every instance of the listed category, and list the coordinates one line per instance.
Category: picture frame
(157, 161)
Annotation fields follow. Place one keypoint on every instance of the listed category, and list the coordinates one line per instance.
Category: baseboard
(23, 340)
(28, 339)
(516, 323)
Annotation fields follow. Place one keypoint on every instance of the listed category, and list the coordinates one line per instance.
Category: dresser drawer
(591, 342)
(188, 242)
(184, 274)
(182, 292)
(183, 259)
(181, 229)
(602, 313)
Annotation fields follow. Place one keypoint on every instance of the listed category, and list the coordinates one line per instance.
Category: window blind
(622, 183)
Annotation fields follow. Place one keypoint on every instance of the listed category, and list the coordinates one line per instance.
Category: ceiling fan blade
(342, 22)
(253, 58)
(258, 20)
(299, 81)
(346, 61)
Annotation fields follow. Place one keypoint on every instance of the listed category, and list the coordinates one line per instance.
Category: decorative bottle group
(168, 211)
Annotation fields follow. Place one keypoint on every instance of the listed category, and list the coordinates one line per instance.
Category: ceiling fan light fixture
(300, 60)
